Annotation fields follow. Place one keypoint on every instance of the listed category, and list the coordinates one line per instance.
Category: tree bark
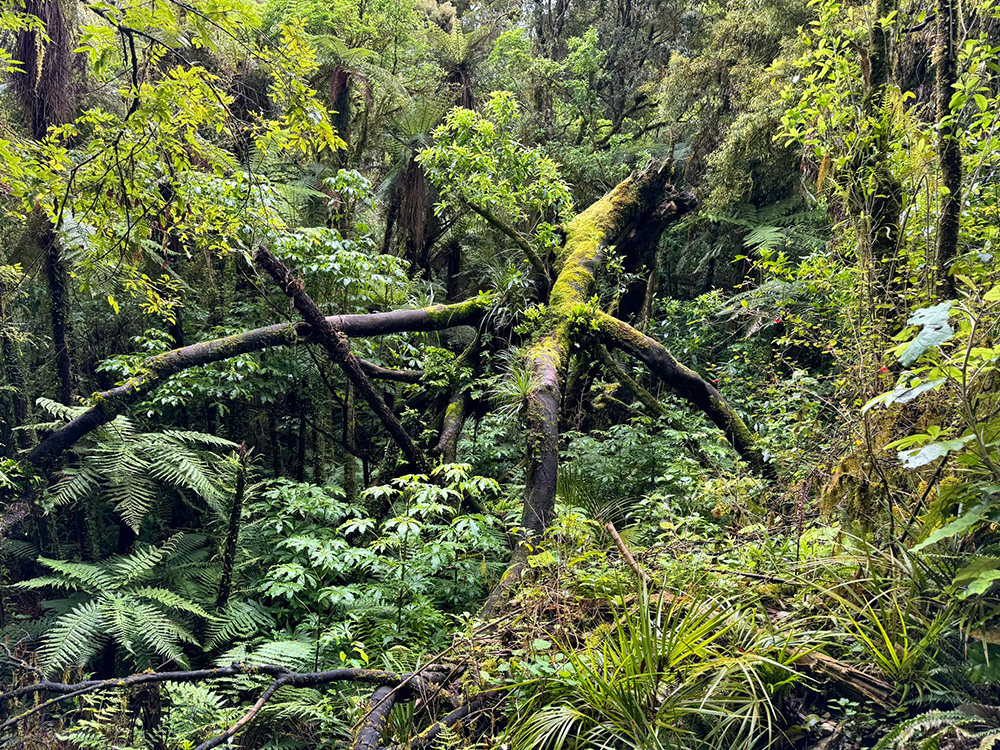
(43, 85)
(58, 282)
(688, 384)
(879, 203)
(370, 734)
(156, 369)
(335, 341)
(43, 81)
(451, 429)
(350, 446)
(10, 353)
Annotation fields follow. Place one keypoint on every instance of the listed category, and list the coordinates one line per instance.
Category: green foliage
(383, 580)
(670, 673)
(477, 163)
(130, 469)
(118, 600)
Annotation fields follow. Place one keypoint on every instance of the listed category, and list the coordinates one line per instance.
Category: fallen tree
(636, 211)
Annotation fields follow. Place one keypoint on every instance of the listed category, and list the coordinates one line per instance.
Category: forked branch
(335, 341)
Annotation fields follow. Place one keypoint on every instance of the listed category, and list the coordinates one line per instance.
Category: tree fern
(171, 600)
(113, 599)
(131, 469)
(780, 225)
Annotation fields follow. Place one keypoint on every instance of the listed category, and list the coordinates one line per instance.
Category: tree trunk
(948, 146)
(42, 84)
(688, 384)
(451, 428)
(300, 450)
(11, 355)
(350, 445)
(156, 369)
(43, 80)
(233, 533)
(275, 440)
(58, 282)
(586, 237)
(651, 403)
(880, 203)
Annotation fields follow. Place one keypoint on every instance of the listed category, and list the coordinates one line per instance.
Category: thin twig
(626, 554)
(242, 722)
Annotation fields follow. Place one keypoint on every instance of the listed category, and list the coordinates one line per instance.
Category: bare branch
(413, 681)
(335, 341)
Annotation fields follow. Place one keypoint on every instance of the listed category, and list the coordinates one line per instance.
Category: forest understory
(558, 375)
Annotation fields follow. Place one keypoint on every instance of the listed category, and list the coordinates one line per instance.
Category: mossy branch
(337, 346)
(688, 384)
(587, 235)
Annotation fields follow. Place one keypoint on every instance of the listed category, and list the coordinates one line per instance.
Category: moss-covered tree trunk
(233, 531)
(58, 283)
(948, 147)
(638, 201)
(9, 351)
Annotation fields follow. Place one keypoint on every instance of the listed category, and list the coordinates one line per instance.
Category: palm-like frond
(149, 622)
(455, 48)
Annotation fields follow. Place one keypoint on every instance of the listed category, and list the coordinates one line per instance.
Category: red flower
(777, 320)
(883, 369)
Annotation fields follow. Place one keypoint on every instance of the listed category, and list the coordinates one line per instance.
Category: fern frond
(85, 575)
(143, 629)
(240, 621)
(138, 565)
(52, 582)
(74, 639)
(75, 485)
(61, 411)
(293, 654)
(904, 733)
(18, 549)
(191, 437)
(171, 600)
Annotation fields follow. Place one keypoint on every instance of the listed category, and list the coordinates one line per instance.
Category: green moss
(444, 314)
(585, 236)
(454, 411)
(552, 348)
(291, 334)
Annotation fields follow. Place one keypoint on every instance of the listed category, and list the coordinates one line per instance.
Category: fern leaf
(171, 600)
(83, 575)
(74, 639)
(61, 411)
(240, 621)
(140, 564)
